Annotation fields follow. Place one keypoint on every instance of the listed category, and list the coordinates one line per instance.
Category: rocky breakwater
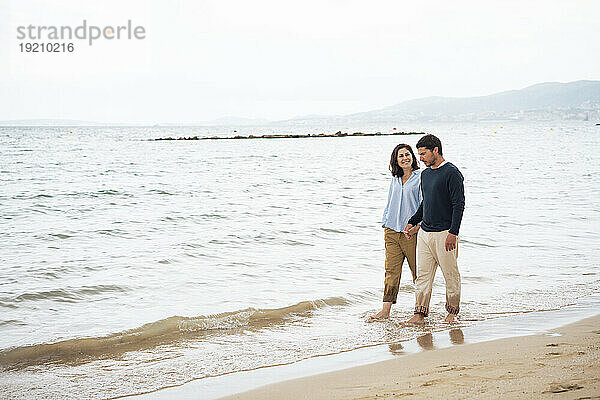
(320, 135)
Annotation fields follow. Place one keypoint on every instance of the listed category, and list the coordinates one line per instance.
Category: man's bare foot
(450, 318)
(416, 319)
(384, 313)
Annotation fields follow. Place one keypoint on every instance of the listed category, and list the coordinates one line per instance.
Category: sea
(130, 265)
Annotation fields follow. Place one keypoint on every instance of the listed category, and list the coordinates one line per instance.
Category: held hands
(409, 231)
(450, 242)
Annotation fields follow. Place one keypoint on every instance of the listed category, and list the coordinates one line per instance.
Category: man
(439, 215)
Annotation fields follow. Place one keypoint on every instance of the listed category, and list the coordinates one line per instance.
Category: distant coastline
(549, 101)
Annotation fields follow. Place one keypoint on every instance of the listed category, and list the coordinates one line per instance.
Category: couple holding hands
(421, 221)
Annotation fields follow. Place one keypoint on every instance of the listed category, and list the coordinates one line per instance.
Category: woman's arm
(387, 206)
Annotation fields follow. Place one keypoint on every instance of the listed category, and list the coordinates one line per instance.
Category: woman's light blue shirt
(403, 201)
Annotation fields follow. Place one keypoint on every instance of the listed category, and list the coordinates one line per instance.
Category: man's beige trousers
(431, 253)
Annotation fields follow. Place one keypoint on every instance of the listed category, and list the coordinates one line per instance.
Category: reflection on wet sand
(426, 341)
(457, 336)
(396, 348)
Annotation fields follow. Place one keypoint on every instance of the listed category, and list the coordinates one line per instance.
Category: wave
(7, 305)
(471, 242)
(160, 191)
(163, 332)
(111, 232)
(110, 192)
(61, 235)
(103, 192)
(12, 322)
(330, 230)
(64, 295)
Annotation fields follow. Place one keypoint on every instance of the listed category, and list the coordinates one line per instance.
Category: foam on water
(163, 332)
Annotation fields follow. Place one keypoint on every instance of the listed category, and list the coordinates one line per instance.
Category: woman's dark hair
(396, 169)
(430, 142)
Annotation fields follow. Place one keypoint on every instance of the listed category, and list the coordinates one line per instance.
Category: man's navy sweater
(443, 200)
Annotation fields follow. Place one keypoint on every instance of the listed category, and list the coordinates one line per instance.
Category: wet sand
(563, 363)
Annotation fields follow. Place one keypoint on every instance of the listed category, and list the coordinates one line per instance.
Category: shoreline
(565, 361)
(299, 379)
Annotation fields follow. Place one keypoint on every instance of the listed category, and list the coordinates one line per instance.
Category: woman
(404, 198)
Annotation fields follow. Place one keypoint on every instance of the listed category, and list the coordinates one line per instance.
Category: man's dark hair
(396, 169)
(430, 142)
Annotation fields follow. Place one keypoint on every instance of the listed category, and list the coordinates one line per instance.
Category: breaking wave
(166, 331)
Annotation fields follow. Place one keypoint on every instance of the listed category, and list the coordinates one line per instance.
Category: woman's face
(404, 158)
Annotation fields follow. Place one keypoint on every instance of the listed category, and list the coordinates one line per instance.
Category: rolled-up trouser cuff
(391, 298)
(390, 293)
(452, 310)
(422, 310)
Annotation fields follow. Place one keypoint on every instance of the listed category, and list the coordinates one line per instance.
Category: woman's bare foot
(384, 313)
(450, 318)
(416, 319)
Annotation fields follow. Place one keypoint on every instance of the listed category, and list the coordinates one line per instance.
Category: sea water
(130, 265)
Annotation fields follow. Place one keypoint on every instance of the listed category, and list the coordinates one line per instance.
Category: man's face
(428, 157)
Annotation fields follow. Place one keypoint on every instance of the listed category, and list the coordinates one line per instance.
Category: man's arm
(417, 217)
(413, 222)
(457, 199)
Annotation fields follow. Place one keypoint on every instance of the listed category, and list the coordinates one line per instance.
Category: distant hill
(552, 100)
(578, 100)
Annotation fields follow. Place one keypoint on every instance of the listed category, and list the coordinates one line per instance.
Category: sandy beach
(563, 363)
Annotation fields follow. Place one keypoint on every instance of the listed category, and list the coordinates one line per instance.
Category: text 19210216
(46, 47)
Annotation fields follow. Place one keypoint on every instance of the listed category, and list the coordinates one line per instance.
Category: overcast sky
(279, 59)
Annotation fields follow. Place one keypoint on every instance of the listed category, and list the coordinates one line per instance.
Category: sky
(201, 60)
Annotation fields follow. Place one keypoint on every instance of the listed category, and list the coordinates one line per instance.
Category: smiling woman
(404, 198)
